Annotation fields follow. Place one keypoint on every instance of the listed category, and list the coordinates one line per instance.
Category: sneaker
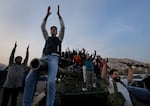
(84, 89)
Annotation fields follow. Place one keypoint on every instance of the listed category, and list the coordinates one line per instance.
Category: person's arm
(94, 55)
(27, 56)
(62, 25)
(11, 58)
(43, 25)
(130, 73)
(104, 73)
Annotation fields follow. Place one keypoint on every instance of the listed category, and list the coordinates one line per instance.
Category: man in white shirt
(114, 76)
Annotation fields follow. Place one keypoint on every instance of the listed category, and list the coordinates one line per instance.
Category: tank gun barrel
(38, 64)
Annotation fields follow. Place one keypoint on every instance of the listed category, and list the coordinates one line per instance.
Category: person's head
(53, 31)
(114, 74)
(99, 57)
(18, 59)
(87, 56)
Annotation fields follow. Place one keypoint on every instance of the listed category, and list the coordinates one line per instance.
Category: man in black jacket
(51, 53)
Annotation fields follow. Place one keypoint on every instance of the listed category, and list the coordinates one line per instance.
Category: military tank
(70, 88)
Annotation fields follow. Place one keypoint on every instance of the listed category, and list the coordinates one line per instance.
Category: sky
(114, 28)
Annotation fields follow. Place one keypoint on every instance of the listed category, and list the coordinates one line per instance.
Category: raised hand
(48, 10)
(58, 11)
(15, 44)
(48, 13)
(28, 47)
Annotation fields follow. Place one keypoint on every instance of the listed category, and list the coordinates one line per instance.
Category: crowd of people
(89, 65)
(81, 60)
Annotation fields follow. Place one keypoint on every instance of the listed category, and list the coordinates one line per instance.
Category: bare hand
(48, 10)
(28, 47)
(15, 44)
(58, 11)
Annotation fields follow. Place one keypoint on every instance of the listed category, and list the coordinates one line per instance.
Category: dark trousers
(10, 93)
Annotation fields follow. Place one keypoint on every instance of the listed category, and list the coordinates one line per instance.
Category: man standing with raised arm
(51, 53)
(114, 82)
(15, 77)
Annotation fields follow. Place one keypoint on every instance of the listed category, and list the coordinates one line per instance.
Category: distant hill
(119, 63)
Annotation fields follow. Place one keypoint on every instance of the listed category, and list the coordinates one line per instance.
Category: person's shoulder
(125, 81)
(110, 82)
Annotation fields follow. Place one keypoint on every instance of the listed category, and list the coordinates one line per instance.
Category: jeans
(33, 76)
(89, 82)
(10, 93)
